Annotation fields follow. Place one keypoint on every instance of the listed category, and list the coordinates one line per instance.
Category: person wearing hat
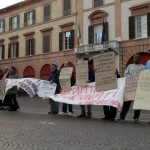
(54, 78)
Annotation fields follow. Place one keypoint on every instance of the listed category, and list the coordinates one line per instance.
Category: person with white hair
(54, 78)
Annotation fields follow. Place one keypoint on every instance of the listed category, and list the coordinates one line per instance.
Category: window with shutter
(30, 47)
(67, 7)
(2, 25)
(98, 3)
(29, 18)
(46, 43)
(46, 13)
(15, 22)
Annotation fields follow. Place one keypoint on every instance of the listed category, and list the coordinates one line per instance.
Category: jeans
(64, 108)
(110, 112)
(125, 109)
(54, 106)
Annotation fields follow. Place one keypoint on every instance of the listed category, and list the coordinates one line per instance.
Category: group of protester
(109, 111)
(10, 102)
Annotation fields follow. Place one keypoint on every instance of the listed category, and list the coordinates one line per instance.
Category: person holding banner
(5, 75)
(10, 98)
(91, 76)
(132, 70)
(64, 107)
(110, 111)
(54, 78)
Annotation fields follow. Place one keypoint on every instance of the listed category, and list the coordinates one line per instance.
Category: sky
(6, 3)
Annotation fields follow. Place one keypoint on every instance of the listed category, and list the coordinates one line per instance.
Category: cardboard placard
(105, 71)
(65, 78)
(82, 73)
(2, 89)
(142, 96)
(130, 89)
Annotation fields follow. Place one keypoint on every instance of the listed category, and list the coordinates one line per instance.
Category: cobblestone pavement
(32, 128)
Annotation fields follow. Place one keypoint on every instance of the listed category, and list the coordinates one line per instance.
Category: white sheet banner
(32, 86)
(87, 95)
(79, 95)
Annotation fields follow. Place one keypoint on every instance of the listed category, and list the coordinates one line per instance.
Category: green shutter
(91, 34)
(3, 51)
(27, 47)
(34, 16)
(46, 43)
(131, 27)
(17, 49)
(148, 24)
(61, 41)
(18, 21)
(106, 30)
(9, 50)
(33, 47)
(72, 39)
(25, 19)
(10, 23)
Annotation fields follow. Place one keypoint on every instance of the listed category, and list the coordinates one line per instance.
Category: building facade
(34, 33)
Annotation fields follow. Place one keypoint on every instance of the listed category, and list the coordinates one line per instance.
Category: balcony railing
(114, 45)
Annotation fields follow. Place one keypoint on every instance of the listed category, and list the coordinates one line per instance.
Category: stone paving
(32, 128)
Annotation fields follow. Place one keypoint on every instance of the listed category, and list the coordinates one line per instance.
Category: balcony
(113, 45)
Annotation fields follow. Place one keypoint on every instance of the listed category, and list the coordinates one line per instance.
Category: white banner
(87, 95)
(83, 95)
(32, 86)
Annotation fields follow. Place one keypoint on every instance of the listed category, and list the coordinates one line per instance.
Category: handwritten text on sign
(105, 71)
(87, 95)
(130, 89)
(142, 96)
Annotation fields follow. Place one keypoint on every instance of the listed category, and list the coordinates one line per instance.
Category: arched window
(45, 72)
(29, 72)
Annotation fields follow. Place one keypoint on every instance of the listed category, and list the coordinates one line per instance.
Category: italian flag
(79, 36)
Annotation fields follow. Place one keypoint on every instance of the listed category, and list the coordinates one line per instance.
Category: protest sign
(87, 95)
(2, 89)
(105, 77)
(65, 78)
(130, 88)
(82, 73)
(142, 96)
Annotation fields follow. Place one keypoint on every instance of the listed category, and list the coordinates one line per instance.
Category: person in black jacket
(89, 107)
(110, 111)
(54, 78)
(64, 107)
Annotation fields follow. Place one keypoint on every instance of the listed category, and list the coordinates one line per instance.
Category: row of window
(30, 17)
(139, 27)
(66, 42)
